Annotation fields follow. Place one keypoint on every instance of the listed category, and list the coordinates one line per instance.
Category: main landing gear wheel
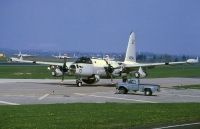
(78, 83)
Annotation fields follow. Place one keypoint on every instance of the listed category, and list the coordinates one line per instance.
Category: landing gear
(79, 83)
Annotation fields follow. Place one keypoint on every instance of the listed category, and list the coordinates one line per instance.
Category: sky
(160, 26)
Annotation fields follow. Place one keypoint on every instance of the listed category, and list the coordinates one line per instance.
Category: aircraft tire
(79, 84)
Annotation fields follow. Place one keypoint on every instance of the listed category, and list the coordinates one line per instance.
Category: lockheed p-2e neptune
(89, 70)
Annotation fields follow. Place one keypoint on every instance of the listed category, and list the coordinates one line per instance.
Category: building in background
(2, 55)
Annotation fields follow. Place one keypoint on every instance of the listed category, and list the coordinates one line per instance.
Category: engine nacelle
(57, 72)
(140, 73)
(116, 72)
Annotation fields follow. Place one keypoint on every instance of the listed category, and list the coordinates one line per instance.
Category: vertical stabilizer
(131, 52)
(21, 58)
(19, 53)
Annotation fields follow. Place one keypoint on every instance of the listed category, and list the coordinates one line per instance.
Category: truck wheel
(148, 92)
(122, 90)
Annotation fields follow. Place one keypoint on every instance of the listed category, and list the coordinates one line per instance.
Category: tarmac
(51, 91)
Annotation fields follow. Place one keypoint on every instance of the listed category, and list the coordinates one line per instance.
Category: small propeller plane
(62, 56)
(89, 70)
(23, 54)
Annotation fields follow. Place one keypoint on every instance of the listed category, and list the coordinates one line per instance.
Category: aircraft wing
(129, 64)
(39, 62)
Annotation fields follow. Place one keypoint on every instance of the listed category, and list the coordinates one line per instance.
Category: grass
(187, 70)
(36, 72)
(98, 116)
(26, 72)
(188, 87)
(3, 59)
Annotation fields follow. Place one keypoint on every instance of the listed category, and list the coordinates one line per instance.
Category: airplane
(62, 56)
(24, 55)
(90, 70)
(106, 57)
(193, 60)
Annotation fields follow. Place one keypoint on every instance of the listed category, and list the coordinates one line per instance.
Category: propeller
(109, 70)
(64, 69)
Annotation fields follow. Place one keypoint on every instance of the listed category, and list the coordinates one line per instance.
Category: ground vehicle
(134, 85)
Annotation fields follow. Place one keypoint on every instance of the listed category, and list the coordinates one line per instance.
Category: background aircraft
(89, 70)
(23, 55)
(62, 56)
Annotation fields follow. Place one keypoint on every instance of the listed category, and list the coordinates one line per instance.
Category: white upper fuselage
(95, 67)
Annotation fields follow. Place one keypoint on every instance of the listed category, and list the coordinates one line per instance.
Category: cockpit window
(84, 60)
(132, 81)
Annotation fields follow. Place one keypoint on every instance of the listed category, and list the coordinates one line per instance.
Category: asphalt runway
(50, 91)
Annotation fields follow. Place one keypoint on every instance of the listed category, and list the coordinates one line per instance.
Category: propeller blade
(109, 70)
(62, 77)
(64, 69)
(111, 77)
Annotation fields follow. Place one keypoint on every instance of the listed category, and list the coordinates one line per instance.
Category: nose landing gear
(79, 82)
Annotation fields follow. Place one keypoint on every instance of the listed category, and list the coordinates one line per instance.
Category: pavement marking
(177, 126)
(80, 94)
(13, 95)
(9, 103)
(44, 96)
(107, 97)
(183, 95)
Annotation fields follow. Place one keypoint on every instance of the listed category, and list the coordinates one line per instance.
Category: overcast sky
(161, 26)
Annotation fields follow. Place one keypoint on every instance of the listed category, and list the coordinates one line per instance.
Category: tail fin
(19, 53)
(131, 52)
(21, 58)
